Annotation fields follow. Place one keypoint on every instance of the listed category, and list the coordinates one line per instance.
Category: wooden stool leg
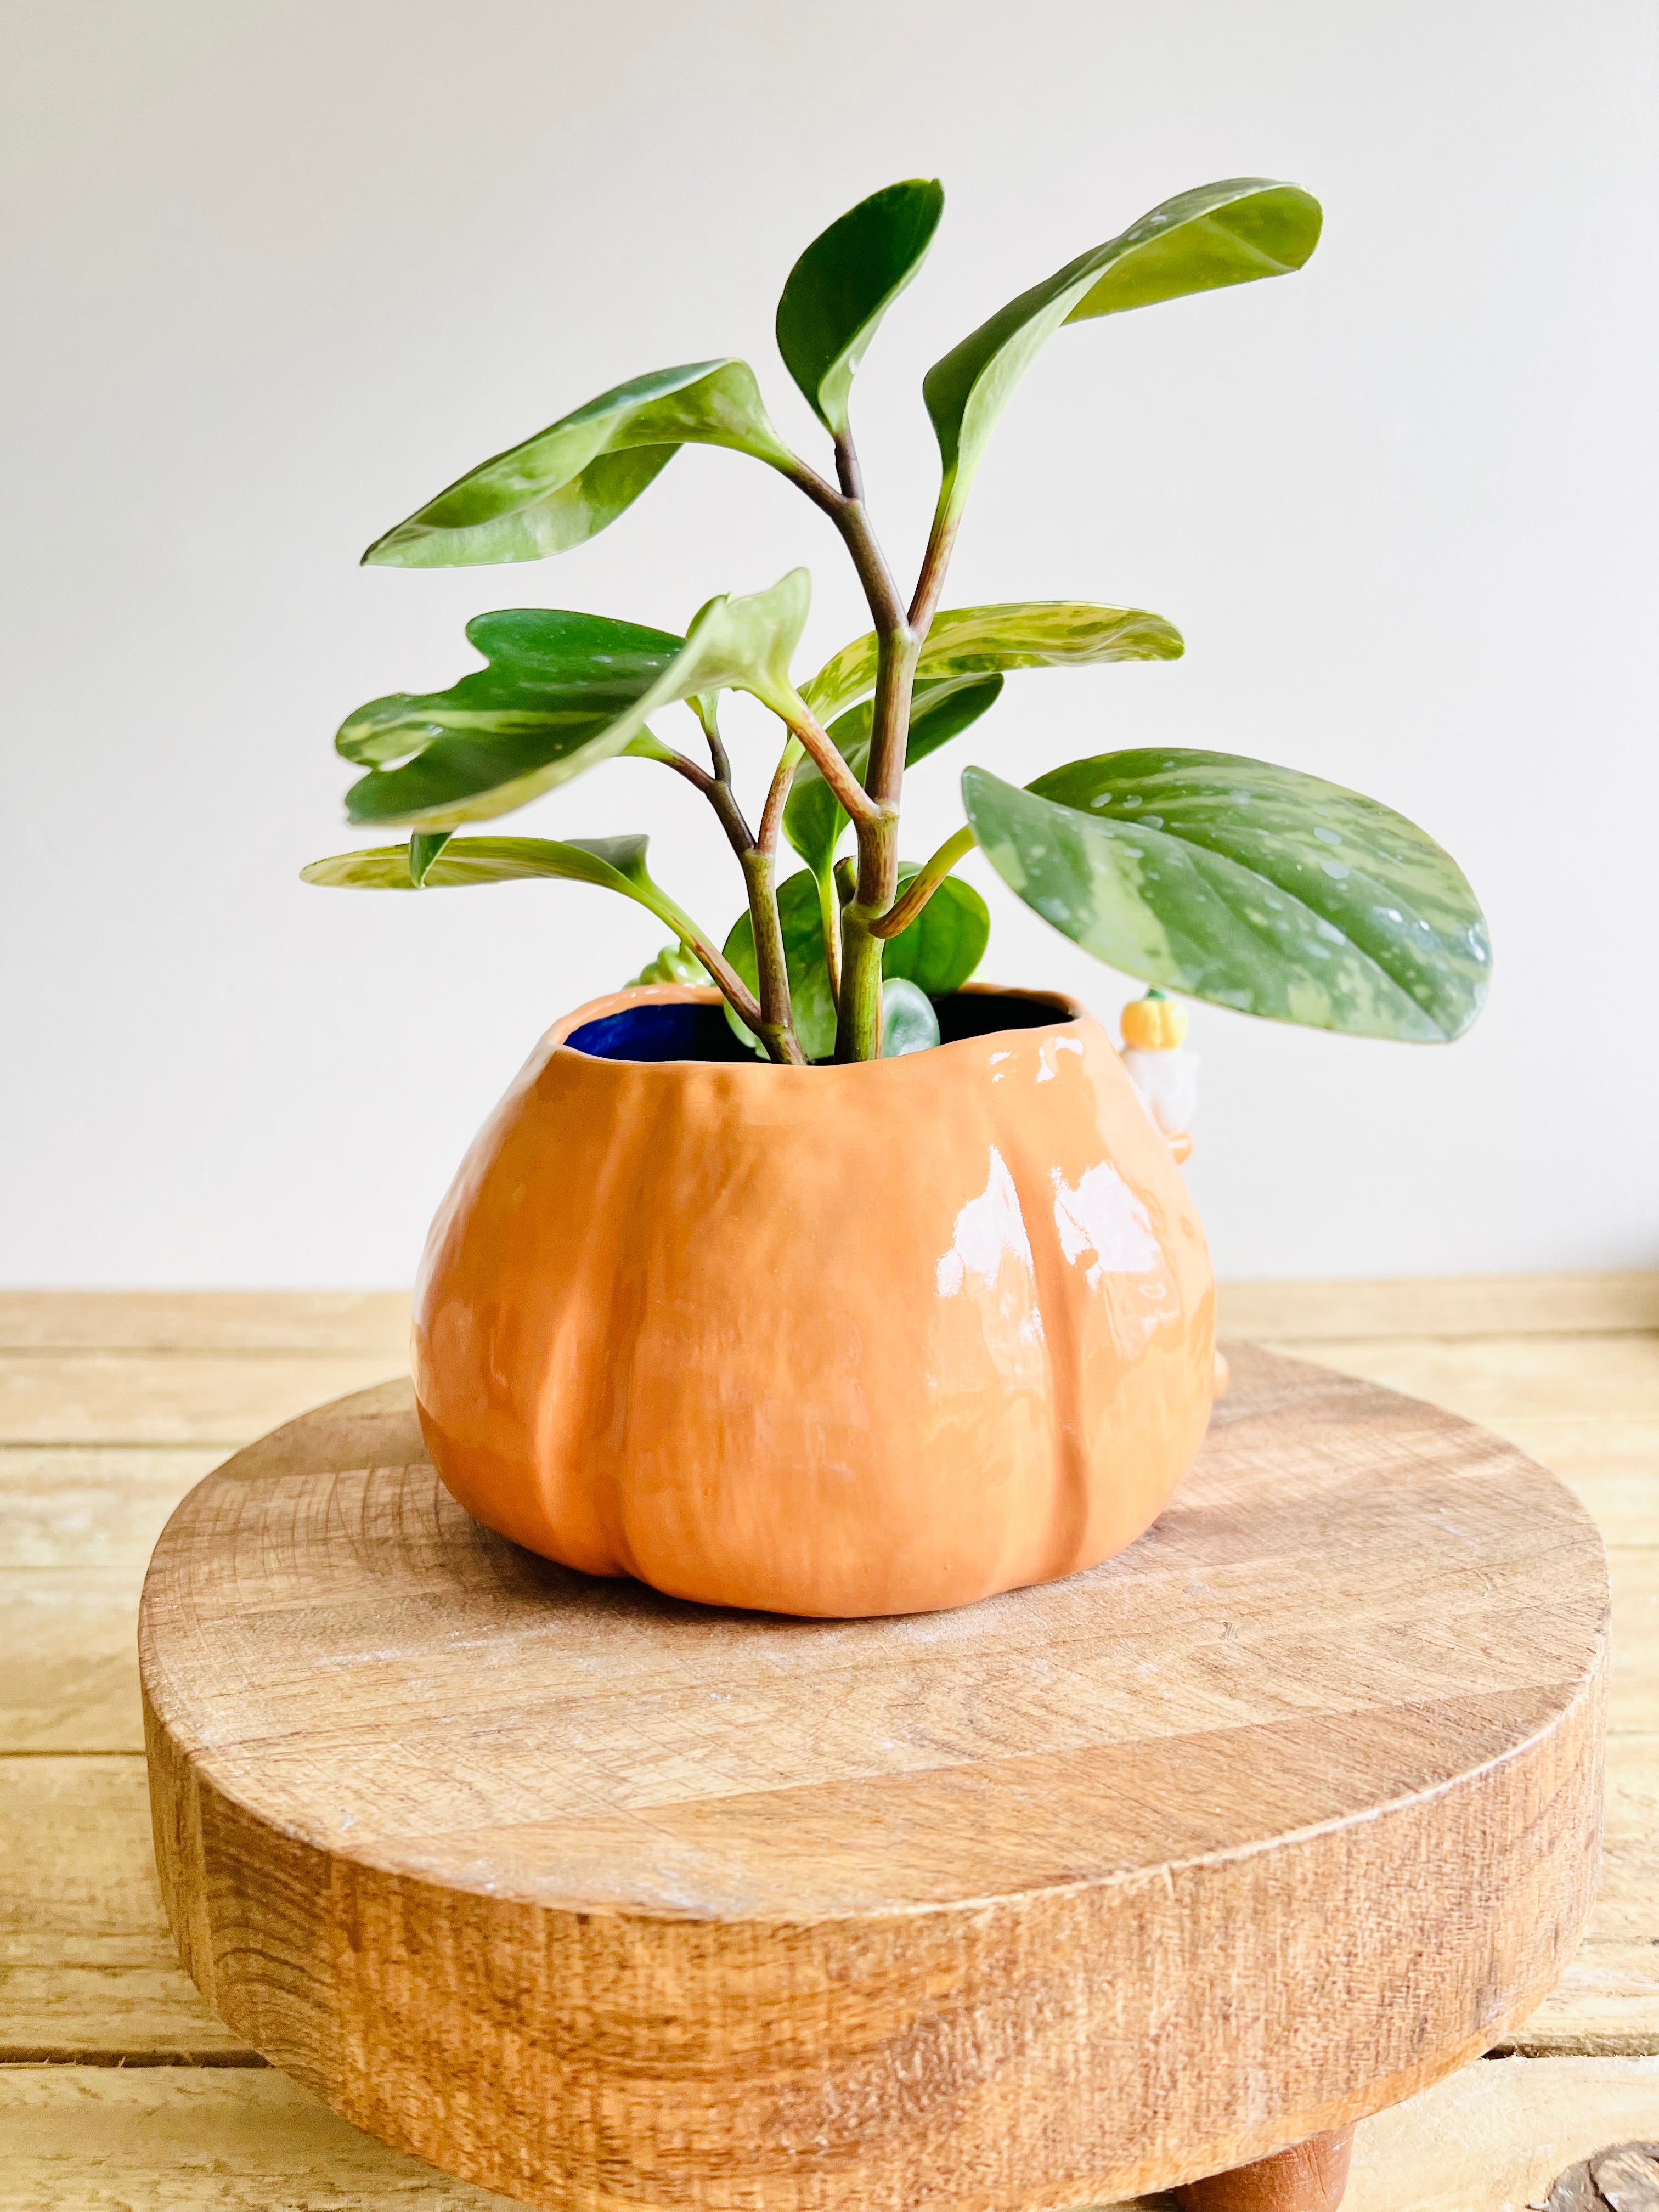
(1310, 2177)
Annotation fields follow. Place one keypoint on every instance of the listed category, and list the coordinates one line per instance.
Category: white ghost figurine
(1160, 1064)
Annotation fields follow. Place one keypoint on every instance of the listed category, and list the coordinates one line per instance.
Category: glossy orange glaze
(830, 1340)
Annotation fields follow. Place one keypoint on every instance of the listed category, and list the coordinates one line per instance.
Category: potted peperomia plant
(804, 1273)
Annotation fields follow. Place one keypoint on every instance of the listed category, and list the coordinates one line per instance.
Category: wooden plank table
(117, 2088)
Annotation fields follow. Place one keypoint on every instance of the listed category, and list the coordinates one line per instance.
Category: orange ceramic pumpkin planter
(863, 1340)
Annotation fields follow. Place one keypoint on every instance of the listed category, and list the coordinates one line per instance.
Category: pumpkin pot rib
(836, 1342)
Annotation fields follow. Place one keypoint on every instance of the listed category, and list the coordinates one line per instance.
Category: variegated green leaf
(938, 953)
(981, 641)
(561, 693)
(567, 483)
(813, 822)
(1216, 234)
(614, 863)
(844, 283)
(575, 672)
(1253, 886)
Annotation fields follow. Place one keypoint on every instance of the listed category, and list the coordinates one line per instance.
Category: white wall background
(275, 272)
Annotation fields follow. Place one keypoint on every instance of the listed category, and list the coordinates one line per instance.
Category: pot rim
(1070, 1015)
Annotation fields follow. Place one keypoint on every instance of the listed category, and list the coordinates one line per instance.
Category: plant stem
(717, 790)
(858, 1012)
(853, 799)
(935, 561)
(776, 1028)
(922, 885)
(897, 652)
(760, 875)
(737, 993)
(847, 470)
(857, 1015)
(770, 1017)
(829, 922)
(706, 711)
(777, 795)
(845, 509)
(899, 638)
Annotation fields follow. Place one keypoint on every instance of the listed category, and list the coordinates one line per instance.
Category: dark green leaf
(844, 283)
(813, 822)
(946, 942)
(564, 485)
(1216, 234)
(980, 640)
(1250, 885)
(562, 692)
(938, 953)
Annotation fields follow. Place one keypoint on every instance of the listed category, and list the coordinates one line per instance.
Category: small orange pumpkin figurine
(1154, 1024)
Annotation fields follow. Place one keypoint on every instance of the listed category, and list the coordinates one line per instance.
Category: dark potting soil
(700, 1032)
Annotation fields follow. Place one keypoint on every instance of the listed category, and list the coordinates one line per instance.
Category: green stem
(857, 1017)
(829, 922)
(922, 885)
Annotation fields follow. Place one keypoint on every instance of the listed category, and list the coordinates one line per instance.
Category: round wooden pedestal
(606, 1900)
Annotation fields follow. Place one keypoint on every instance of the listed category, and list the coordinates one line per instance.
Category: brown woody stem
(776, 1028)
(778, 794)
(742, 1000)
(717, 790)
(935, 563)
(873, 810)
(853, 799)
(770, 1016)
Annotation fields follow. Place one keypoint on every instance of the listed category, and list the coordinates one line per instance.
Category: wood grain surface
(171, 1323)
(87, 1965)
(603, 1900)
(1492, 2138)
(1444, 1307)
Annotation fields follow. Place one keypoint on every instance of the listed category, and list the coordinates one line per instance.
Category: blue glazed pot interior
(691, 1031)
